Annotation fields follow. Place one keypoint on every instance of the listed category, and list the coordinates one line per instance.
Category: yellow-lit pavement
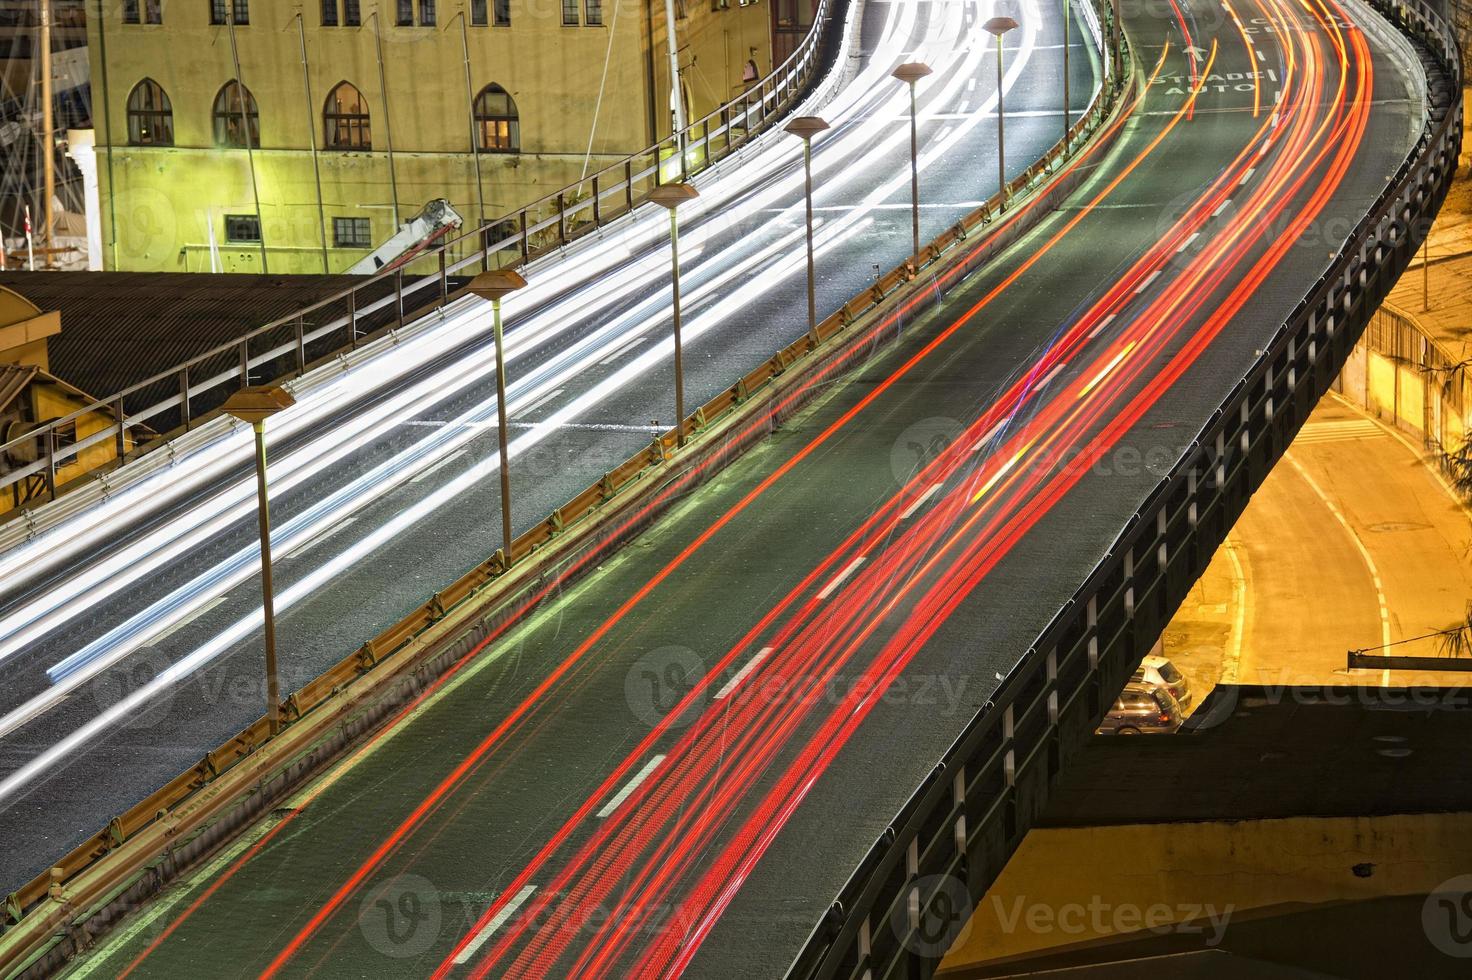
(1353, 541)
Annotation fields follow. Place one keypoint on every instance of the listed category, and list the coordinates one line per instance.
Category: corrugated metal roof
(120, 328)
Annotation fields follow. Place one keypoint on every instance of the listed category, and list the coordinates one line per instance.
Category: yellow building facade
(350, 116)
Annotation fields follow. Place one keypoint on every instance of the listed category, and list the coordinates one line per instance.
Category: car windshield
(1168, 672)
(1134, 701)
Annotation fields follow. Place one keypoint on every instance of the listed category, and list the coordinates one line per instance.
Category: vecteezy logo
(936, 916)
(401, 917)
(659, 681)
(1446, 917)
(920, 444)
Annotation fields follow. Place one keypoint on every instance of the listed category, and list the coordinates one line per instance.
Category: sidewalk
(1353, 541)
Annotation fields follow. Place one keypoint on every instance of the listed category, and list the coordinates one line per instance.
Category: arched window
(345, 120)
(496, 121)
(236, 116)
(150, 116)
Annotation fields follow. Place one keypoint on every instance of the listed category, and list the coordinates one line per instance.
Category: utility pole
(49, 126)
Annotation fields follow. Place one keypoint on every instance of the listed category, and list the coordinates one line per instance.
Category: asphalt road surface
(675, 766)
(129, 638)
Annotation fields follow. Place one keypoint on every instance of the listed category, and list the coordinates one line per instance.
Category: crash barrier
(58, 913)
(913, 890)
(34, 464)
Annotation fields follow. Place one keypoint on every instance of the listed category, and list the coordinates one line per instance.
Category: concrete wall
(1066, 886)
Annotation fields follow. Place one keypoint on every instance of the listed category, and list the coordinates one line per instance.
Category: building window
(242, 228)
(151, 12)
(593, 13)
(426, 13)
(150, 116)
(503, 12)
(329, 13)
(220, 9)
(477, 13)
(496, 121)
(406, 13)
(237, 120)
(350, 14)
(569, 13)
(345, 120)
(352, 233)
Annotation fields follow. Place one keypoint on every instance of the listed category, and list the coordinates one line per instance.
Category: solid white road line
(630, 786)
(742, 674)
(497, 921)
(839, 579)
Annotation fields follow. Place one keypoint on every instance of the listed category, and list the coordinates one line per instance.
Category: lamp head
(999, 25)
(911, 71)
(672, 196)
(258, 403)
(495, 283)
(806, 127)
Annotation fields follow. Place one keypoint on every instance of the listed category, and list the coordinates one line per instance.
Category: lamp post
(1065, 75)
(996, 27)
(910, 73)
(255, 405)
(670, 197)
(493, 285)
(805, 128)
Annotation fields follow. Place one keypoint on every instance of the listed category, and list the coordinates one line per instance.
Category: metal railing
(958, 830)
(289, 346)
(92, 870)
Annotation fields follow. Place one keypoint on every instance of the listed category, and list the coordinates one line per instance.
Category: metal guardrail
(321, 700)
(287, 347)
(957, 831)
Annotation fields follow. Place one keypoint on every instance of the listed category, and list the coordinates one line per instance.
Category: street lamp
(255, 405)
(910, 73)
(1065, 75)
(998, 26)
(806, 127)
(670, 197)
(493, 285)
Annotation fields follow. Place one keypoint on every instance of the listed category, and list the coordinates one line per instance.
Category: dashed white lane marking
(1050, 375)
(1148, 280)
(1262, 56)
(187, 620)
(1277, 97)
(741, 674)
(426, 474)
(1188, 242)
(540, 402)
(1102, 324)
(841, 577)
(630, 786)
(985, 440)
(623, 350)
(919, 501)
(497, 921)
(1221, 207)
(1247, 176)
(331, 532)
